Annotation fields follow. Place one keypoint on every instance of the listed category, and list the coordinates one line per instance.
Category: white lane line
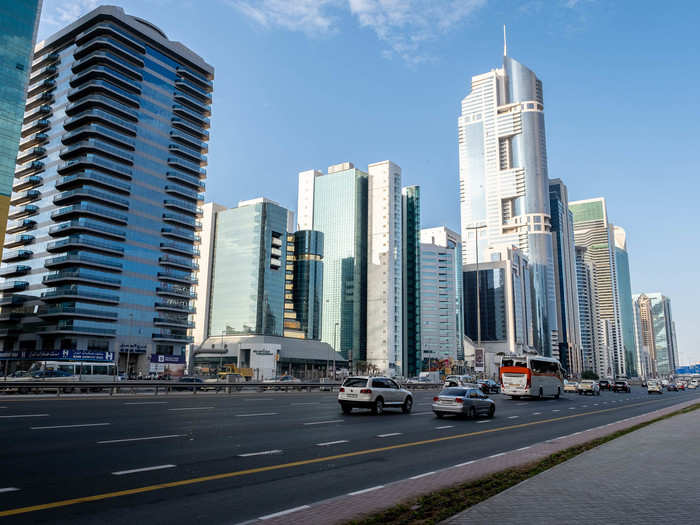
(521, 448)
(325, 422)
(147, 403)
(513, 417)
(496, 455)
(422, 475)
(283, 513)
(24, 415)
(556, 410)
(328, 443)
(585, 406)
(141, 438)
(442, 428)
(363, 491)
(421, 413)
(192, 408)
(536, 413)
(595, 404)
(572, 408)
(144, 469)
(392, 434)
(72, 426)
(301, 404)
(9, 489)
(520, 404)
(463, 464)
(484, 421)
(262, 453)
(258, 414)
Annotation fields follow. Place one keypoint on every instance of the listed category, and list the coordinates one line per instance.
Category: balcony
(191, 128)
(184, 192)
(179, 248)
(15, 271)
(85, 209)
(43, 60)
(28, 182)
(26, 169)
(80, 276)
(190, 88)
(40, 112)
(44, 72)
(69, 310)
(69, 329)
(46, 97)
(24, 211)
(195, 103)
(17, 255)
(35, 126)
(14, 286)
(25, 196)
(174, 306)
(189, 140)
(106, 73)
(85, 193)
(78, 241)
(81, 259)
(19, 240)
(185, 235)
(186, 278)
(103, 149)
(183, 220)
(109, 29)
(82, 225)
(102, 86)
(100, 115)
(47, 84)
(78, 294)
(105, 57)
(37, 138)
(94, 177)
(177, 262)
(202, 81)
(12, 300)
(105, 42)
(103, 132)
(199, 120)
(101, 100)
(174, 338)
(185, 179)
(33, 153)
(188, 154)
(175, 323)
(183, 206)
(25, 225)
(189, 167)
(174, 291)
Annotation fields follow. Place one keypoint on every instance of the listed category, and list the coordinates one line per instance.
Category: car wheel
(540, 396)
(439, 415)
(346, 408)
(515, 397)
(492, 410)
(556, 396)
(472, 413)
(378, 407)
(407, 405)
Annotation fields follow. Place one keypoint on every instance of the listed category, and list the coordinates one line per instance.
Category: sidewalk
(650, 475)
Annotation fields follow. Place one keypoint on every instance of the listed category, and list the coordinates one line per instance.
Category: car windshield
(457, 392)
(355, 381)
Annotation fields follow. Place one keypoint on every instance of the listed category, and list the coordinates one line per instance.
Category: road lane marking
(422, 475)
(391, 434)
(442, 428)
(262, 453)
(484, 421)
(192, 408)
(9, 489)
(148, 403)
(258, 414)
(364, 491)
(463, 464)
(23, 415)
(421, 413)
(283, 513)
(536, 413)
(496, 455)
(259, 399)
(71, 426)
(521, 448)
(140, 439)
(572, 408)
(328, 443)
(556, 410)
(324, 422)
(301, 404)
(513, 417)
(144, 469)
(520, 404)
(324, 459)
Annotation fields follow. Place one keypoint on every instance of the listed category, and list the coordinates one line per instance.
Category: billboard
(478, 359)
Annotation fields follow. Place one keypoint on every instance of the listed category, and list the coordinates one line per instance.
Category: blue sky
(304, 84)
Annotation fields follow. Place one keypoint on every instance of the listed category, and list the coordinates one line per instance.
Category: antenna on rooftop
(505, 45)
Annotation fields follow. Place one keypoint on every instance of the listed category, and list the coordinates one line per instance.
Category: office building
(657, 328)
(384, 268)
(593, 231)
(303, 289)
(589, 322)
(104, 215)
(645, 365)
(18, 25)
(411, 280)
(504, 307)
(504, 183)
(565, 280)
(624, 290)
(646, 343)
(335, 204)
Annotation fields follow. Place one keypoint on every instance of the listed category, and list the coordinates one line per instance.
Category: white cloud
(308, 16)
(63, 12)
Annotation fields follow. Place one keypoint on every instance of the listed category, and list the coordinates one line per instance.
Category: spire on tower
(505, 45)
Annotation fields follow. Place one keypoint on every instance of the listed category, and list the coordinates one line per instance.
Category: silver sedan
(459, 401)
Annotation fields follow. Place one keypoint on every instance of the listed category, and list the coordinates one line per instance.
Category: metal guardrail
(158, 387)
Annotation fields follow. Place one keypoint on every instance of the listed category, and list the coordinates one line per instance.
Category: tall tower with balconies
(103, 220)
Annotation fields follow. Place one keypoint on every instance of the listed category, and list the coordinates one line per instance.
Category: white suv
(374, 393)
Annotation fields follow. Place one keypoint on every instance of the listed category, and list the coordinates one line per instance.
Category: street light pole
(128, 348)
(478, 290)
(335, 345)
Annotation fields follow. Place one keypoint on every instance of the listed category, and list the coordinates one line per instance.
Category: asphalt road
(228, 459)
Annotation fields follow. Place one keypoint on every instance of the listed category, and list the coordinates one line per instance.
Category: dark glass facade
(104, 213)
(307, 293)
(411, 280)
(492, 304)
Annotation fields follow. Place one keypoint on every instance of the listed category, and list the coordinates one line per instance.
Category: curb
(361, 503)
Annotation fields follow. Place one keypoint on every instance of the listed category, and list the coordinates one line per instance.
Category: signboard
(59, 355)
(132, 349)
(168, 359)
(478, 359)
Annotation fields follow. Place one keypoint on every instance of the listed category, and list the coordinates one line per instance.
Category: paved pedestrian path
(650, 475)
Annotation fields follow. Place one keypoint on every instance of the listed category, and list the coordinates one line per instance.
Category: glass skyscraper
(19, 20)
(504, 182)
(410, 196)
(105, 206)
(658, 332)
(307, 282)
(624, 289)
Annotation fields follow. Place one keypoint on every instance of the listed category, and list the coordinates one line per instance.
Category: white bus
(85, 371)
(532, 376)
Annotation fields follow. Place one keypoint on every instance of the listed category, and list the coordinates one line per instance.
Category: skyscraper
(411, 280)
(18, 24)
(504, 182)
(593, 231)
(589, 322)
(658, 330)
(645, 331)
(624, 289)
(304, 303)
(105, 207)
(565, 278)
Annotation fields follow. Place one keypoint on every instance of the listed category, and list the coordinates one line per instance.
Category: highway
(233, 458)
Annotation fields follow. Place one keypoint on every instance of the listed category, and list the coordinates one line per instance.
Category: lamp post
(128, 348)
(478, 294)
(335, 345)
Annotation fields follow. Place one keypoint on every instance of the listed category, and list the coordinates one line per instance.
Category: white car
(464, 381)
(654, 386)
(570, 386)
(375, 393)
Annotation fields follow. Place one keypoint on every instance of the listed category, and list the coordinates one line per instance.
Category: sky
(302, 84)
